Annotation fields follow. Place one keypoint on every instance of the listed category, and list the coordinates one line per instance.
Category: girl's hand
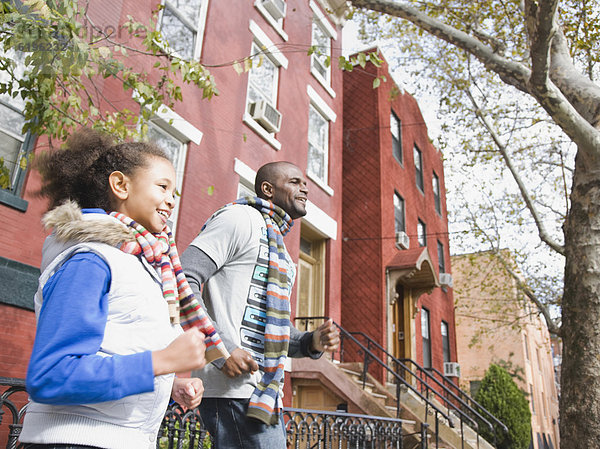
(185, 353)
(187, 392)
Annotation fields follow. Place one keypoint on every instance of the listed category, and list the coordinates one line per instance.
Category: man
(248, 275)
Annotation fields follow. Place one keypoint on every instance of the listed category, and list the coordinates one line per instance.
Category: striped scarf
(160, 251)
(265, 402)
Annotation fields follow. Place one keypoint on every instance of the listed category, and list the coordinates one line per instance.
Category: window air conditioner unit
(275, 7)
(446, 279)
(451, 369)
(402, 240)
(265, 114)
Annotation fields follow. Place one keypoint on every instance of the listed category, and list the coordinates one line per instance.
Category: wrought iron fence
(180, 429)
(308, 429)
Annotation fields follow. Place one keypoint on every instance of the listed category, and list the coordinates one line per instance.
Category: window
(318, 145)
(445, 341)
(273, 11)
(418, 168)
(181, 22)
(399, 222)
(396, 130)
(526, 341)
(421, 233)
(436, 193)
(263, 81)
(244, 190)
(425, 334)
(321, 57)
(14, 146)
(531, 399)
(176, 150)
(441, 258)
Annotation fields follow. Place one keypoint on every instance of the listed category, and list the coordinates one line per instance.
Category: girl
(107, 340)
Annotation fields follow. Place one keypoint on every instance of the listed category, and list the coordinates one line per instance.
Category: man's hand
(240, 362)
(187, 392)
(326, 337)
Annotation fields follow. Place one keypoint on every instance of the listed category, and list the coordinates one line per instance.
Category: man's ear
(119, 184)
(266, 189)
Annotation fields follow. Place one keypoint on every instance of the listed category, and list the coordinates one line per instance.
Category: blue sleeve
(64, 368)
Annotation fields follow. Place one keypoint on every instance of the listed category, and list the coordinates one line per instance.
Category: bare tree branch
(548, 95)
(544, 236)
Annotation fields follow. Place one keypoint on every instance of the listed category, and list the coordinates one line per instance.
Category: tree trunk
(580, 371)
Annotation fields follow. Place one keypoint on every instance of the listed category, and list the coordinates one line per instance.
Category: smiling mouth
(164, 214)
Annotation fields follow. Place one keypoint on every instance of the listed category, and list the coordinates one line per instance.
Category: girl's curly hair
(80, 171)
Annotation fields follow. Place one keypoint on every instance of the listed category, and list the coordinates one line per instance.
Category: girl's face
(150, 192)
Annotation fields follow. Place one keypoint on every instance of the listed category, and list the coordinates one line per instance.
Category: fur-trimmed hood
(70, 227)
(70, 224)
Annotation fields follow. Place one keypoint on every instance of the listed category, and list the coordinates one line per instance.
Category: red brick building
(370, 204)
(395, 255)
(287, 107)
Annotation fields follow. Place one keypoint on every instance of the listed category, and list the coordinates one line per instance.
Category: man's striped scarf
(160, 252)
(265, 402)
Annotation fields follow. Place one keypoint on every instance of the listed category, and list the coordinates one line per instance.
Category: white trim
(244, 171)
(321, 184)
(322, 222)
(327, 27)
(266, 135)
(323, 82)
(269, 47)
(182, 129)
(315, 216)
(201, 29)
(320, 104)
(269, 18)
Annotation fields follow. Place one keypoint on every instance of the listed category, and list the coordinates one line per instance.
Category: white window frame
(12, 196)
(263, 44)
(276, 24)
(197, 29)
(324, 151)
(322, 22)
(401, 202)
(172, 125)
(321, 107)
(437, 195)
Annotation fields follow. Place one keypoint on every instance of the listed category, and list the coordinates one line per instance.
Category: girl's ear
(119, 185)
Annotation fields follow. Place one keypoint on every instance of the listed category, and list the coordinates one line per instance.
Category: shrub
(501, 396)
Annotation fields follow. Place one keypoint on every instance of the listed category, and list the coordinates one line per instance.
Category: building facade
(496, 324)
(375, 237)
(286, 106)
(395, 254)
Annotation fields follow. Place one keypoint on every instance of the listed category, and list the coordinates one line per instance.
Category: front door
(398, 328)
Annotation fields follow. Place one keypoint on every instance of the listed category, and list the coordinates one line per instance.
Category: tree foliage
(500, 395)
(56, 60)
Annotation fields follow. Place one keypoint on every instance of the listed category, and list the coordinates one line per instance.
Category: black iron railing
(434, 384)
(183, 429)
(308, 429)
(408, 375)
(369, 357)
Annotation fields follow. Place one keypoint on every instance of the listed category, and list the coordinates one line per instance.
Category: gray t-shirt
(235, 239)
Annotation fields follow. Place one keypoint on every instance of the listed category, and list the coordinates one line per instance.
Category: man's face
(290, 191)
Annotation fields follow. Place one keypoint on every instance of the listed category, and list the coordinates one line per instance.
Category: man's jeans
(226, 421)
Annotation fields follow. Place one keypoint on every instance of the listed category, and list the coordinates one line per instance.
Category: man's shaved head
(270, 172)
(284, 184)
